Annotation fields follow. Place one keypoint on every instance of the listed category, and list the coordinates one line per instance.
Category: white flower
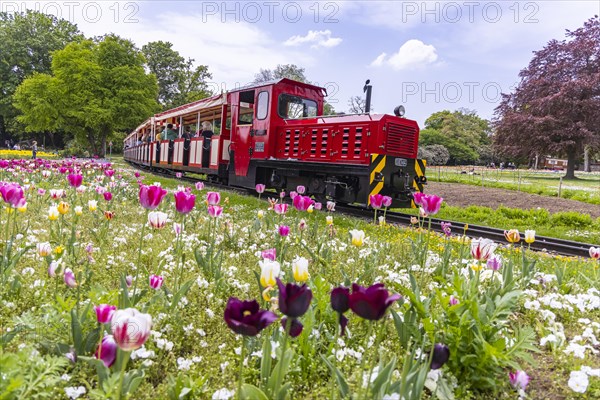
(578, 381)
(269, 270)
(75, 392)
(223, 394)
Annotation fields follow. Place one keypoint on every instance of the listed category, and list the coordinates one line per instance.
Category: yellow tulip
(78, 210)
(513, 236)
(92, 205)
(358, 237)
(329, 220)
(529, 236)
(53, 213)
(269, 270)
(63, 207)
(300, 269)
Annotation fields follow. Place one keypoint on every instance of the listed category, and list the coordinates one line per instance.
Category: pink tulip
(104, 313)
(318, 206)
(178, 175)
(75, 180)
(302, 225)
(52, 269)
(293, 195)
(331, 206)
(270, 254)
(151, 196)
(184, 202)
(107, 196)
(301, 203)
(260, 188)
(41, 192)
(417, 198)
(215, 211)
(128, 280)
(387, 201)
(300, 189)
(376, 201)
(109, 173)
(431, 203)
(157, 219)
(213, 198)
(130, 328)
(136, 174)
(518, 379)
(177, 228)
(282, 194)
(595, 253)
(199, 185)
(107, 351)
(12, 193)
(284, 230)
(280, 208)
(156, 281)
(69, 278)
(453, 301)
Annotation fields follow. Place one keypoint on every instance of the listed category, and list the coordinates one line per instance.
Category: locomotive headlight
(399, 111)
(378, 176)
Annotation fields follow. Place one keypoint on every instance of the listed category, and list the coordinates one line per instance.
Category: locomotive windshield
(292, 107)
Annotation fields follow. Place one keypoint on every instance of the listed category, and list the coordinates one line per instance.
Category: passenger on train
(187, 135)
(170, 133)
(207, 134)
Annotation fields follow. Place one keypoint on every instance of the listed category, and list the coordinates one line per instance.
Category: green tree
(27, 41)
(290, 71)
(178, 81)
(96, 88)
(461, 132)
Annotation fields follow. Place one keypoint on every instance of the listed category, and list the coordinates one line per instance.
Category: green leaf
(339, 377)
(76, 332)
(101, 369)
(265, 362)
(383, 379)
(124, 300)
(184, 289)
(251, 392)
(285, 361)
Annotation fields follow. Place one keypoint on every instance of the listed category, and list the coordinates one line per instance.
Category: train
(274, 133)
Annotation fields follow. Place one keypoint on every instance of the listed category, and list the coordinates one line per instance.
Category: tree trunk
(2, 130)
(571, 155)
(586, 159)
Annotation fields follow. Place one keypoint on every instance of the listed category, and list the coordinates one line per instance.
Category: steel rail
(541, 244)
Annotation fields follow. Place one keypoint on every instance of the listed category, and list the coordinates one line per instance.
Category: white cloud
(412, 54)
(378, 62)
(318, 38)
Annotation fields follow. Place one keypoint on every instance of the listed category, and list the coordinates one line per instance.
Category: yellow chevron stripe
(375, 190)
(378, 168)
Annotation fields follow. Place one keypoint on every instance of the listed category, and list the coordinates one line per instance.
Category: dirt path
(466, 195)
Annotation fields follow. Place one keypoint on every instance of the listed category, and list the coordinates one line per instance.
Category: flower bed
(116, 287)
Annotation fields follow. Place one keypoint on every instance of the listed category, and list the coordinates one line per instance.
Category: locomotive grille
(401, 139)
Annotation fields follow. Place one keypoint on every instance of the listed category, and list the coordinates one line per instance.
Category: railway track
(542, 243)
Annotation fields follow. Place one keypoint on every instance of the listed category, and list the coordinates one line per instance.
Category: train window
(292, 107)
(262, 108)
(246, 108)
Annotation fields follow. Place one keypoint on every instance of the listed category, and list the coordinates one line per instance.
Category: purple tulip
(371, 303)
(104, 313)
(69, 278)
(284, 230)
(494, 262)
(246, 318)
(295, 327)
(270, 254)
(156, 281)
(128, 280)
(340, 302)
(151, 196)
(446, 227)
(107, 196)
(340, 299)
(12, 193)
(301, 203)
(293, 299)
(376, 201)
(184, 202)
(213, 198)
(75, 180)
(431, 203)
(441, 354)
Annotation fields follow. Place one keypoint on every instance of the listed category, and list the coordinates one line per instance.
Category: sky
(426, 56)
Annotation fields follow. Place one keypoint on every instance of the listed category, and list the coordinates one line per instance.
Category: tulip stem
(179, 254)
(137, 265)
(241, 378)
(123, 366)
(362, 361)
(376, 347)
(288, 325)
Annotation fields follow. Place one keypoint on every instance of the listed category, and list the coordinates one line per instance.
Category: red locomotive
(274, 133)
